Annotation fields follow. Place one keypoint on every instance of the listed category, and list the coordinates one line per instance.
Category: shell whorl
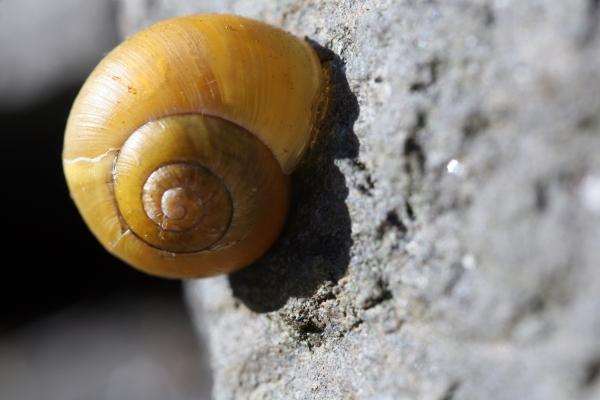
(182, 196)
(178, 147)
(188, 183)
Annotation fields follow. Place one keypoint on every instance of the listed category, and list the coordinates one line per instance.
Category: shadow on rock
(314, 247)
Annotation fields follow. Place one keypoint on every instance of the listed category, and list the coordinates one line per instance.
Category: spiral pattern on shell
(179, 146)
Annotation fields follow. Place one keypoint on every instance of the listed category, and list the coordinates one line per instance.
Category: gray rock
(47, 46)
(444, 241)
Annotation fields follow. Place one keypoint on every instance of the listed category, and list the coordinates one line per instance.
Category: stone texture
(444, 241)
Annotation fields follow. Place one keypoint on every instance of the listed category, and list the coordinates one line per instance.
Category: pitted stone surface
(444, 241)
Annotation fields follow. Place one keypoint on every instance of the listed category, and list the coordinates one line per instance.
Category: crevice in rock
(414, 160)
(409, 210)
(450, 393)
(392, 221)
(367, 187)
(304, 322)
(587, 123)
(310, 327)
(359, 165)
(304, 327)
(367, 184)
(413, 152)
(541, 197)
(537, 304)
(457, 273)
(593, 20)
(591, 373)
(380, 294)
(429, 73)
(489, 17)
(355, 325)
(475, 123)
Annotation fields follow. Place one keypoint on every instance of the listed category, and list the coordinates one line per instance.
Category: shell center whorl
(184, 206)
(173, 195)
(189, 183)
(174, 201)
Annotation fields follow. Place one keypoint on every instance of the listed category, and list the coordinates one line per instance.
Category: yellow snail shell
(179, 146)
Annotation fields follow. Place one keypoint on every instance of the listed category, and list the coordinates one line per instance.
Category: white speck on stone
(468, 261)
(455, 167)
(589, 193)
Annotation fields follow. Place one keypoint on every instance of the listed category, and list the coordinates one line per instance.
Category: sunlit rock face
(443, 240)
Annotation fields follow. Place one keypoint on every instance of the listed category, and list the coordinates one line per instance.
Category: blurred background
(75, 323)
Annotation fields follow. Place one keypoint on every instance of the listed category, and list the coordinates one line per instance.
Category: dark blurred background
(75, 322)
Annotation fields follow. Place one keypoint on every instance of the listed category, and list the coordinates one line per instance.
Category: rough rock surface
(444, 241)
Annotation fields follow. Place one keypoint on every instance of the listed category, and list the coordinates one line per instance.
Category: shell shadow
(314, 247)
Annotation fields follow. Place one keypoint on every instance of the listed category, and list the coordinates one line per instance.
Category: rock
(49, 46)
(444, 241)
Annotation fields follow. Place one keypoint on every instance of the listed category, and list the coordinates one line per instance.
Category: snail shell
(179, 146)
